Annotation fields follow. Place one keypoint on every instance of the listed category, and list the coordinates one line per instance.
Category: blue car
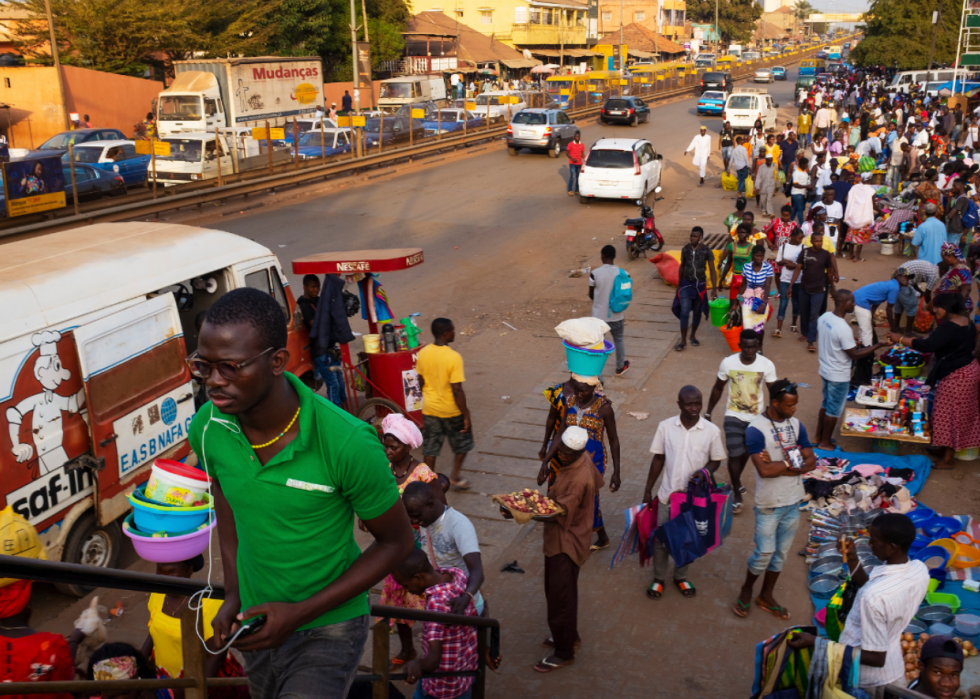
(335, 142)
(450, 120)
(778, 73)
(64, 139)
(712, 103)
(114, 157)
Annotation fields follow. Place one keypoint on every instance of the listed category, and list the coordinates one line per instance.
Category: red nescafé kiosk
(389, 378)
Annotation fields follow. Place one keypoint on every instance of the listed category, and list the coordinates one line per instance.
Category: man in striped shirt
(918, 271)
(886, 601)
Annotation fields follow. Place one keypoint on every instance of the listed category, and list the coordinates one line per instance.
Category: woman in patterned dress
(401, 436)
(958, 278)
(757, 278)
(955, 376)
(580, 401)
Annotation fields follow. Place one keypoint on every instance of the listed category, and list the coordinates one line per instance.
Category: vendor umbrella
(548, 68)
(945, 92)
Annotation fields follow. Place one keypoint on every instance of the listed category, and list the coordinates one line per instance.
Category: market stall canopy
(516, 63)
(389, 260)
(472, 46)
(636, 36)
(641, 54)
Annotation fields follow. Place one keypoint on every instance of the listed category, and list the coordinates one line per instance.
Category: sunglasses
(788, 388)
(229, 370)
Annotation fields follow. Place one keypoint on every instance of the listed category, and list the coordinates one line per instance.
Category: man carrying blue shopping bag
(682, 447)
(781, 453)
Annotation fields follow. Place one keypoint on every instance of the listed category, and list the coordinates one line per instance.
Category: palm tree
(801, 10)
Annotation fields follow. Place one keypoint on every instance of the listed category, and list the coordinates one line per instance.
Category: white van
(409, 89)
(197, 156)
(96, 326)
(904, 81)
(746, 104)
(501, 104)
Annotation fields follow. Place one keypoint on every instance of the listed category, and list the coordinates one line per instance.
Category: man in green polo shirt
(290, 471)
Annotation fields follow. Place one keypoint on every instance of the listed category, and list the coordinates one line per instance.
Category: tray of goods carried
(528, 504)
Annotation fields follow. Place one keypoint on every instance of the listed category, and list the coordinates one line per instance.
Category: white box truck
(239, 92)
(411, 89)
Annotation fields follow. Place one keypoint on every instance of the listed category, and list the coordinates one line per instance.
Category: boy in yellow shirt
(444, 411)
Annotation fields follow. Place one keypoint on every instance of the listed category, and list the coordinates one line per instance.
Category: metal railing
(194, 683)
(300, 172)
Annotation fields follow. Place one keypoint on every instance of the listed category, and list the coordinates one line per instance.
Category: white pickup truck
(500, 104)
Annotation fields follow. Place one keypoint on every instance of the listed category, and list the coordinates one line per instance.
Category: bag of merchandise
(582, 332)
(729, 182)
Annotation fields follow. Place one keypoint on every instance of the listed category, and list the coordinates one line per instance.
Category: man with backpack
(961, 216)
(611, 291)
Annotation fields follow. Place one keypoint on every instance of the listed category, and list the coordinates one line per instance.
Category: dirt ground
(502, 245)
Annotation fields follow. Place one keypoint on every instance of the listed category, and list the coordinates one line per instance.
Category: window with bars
(639, 16)
(520, 15)
(535, 15)
(607, 16)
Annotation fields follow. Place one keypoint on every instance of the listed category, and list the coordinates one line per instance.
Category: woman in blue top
(757, 279)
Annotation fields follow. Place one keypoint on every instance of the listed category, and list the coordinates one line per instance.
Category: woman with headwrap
(27, 655)
(401, 435)
(954, 376)
(757, 278)
(120, 661)
(163, 645)
(927, 191)
(957, 279)
(580, 402)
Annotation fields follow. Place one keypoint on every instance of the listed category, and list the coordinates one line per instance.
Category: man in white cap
(701, 145)
(566, 543)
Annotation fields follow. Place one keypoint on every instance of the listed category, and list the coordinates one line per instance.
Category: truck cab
(93, 384)
(192, 103)
(193, 156)
(409, 89)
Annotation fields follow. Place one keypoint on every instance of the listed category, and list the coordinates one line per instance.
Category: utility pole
(357, 91)
(936, 16)
(620, 66)
(57, 64)
(367, 39)
(717, 28)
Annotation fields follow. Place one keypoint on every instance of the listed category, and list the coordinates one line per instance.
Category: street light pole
(717, 29)
(57, 64)
(936, 16)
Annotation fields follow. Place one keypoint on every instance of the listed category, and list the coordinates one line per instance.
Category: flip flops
(596, 547)
(777, 611)
(741, 609)
(695, 342)
(544, 666)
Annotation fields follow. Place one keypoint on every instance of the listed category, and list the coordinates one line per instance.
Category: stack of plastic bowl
(175, 524)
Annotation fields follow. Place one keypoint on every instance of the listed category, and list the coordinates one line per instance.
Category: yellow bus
(599, 81)
(812, 66)
(564, 88)
(726, 64)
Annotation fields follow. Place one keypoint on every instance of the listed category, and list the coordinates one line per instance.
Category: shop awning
(581, 53)
(517, 63)
(641, 54)
(544, 52)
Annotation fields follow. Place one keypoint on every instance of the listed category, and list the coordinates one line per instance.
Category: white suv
(619, 168)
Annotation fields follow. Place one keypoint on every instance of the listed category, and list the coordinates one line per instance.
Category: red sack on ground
(668, 267)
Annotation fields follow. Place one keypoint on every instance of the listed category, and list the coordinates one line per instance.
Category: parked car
(335, 141)
(396, 129)
(712, 103)
(540, 129)
(64, 139)
(620, 168)
(499, 103)
(119, 157)
(763, 75)
(450, 120)
(303, 126)
(624, 110)
(823, 78)
(716, 81)
(778, 73)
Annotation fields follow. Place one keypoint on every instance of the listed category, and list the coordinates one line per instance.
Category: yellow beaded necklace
(273, 441)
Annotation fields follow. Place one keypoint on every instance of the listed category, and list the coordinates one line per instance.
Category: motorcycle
(641, 233)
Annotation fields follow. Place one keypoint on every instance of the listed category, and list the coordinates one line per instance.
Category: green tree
(900, 33)
(736, 18)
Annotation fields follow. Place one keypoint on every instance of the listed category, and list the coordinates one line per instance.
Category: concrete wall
(36, 114)
(334, 92)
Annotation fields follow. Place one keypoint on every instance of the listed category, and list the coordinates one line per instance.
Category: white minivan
(746, 104)
(619, 168)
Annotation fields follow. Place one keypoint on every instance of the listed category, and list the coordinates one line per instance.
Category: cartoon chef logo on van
(44, 409)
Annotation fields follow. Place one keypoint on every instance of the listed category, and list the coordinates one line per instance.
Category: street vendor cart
(388, 381)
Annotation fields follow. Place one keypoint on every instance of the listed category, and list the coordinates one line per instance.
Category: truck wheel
(92, 545)
(374, 410)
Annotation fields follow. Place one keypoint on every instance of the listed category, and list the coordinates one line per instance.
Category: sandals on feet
(544, 666)
(736, 508)
(695, 342)
(597, 547)
(741, 609)
(777, 611)
(777, 333)
(686, 588)
(794, 329)
(679, 347)
(656, 590)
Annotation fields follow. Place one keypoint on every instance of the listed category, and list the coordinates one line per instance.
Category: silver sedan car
(763, 75)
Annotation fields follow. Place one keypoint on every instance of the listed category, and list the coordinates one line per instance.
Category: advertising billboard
(34, 185)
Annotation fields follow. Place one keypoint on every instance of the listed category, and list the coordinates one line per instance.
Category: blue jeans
(894, 178)
(775, 528)
(810, 305)
(573, 173)
(419, 694)
(726, 153)
(954, 238)
(310, 664)
(784, 299)
(798, 202)
(834, 397)
(333, 380)
(690, 302)
(742, 174)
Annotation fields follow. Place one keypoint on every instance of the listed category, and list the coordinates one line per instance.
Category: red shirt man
(576, 151)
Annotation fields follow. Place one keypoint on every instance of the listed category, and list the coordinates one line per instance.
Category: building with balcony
(523, 23)
(672, 21)
(637, 11)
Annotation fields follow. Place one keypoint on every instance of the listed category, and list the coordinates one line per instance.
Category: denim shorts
(313, 663)
(834, 396)
(775, 528)
(436, 430)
